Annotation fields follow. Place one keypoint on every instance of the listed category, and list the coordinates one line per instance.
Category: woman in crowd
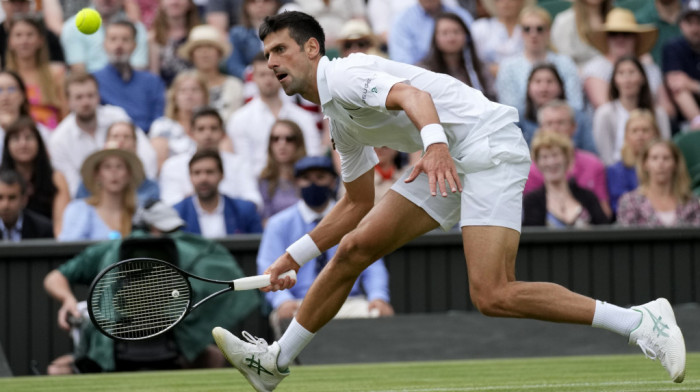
(499, 37)
(628, 90)
(170, 134)
(511, 82)
(111, 176)
(277, 178)
(559, 202)
(13, 104)
(571, 27)
(640, 129)
(244, 35)
(173, 22)
(205, 49)
(27, 55)
(663, 198)
(452, 52)
(25, 152)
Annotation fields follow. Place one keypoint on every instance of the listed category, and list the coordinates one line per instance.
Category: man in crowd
(16, 222)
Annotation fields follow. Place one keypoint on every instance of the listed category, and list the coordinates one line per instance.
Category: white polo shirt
(353, 92)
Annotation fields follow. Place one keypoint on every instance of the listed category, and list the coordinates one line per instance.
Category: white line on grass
(679, 387)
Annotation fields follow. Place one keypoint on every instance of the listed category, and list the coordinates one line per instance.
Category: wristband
(303, 250)
(431, 134)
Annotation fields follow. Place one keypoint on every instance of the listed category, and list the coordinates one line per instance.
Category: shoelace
(260, 343)
(648, 351)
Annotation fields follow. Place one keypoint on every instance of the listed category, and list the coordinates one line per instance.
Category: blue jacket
(240, 216)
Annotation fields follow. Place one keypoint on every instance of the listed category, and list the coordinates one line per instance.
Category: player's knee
(490, 303)
(353, 253)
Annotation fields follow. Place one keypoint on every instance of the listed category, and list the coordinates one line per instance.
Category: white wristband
(431, 134)
(303, 250)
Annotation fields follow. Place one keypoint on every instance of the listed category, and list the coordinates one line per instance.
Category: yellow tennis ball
(88, 21)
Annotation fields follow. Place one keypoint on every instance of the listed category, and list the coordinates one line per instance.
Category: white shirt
(239, 181)
(70, 145)
(179, 142)
(249, 129)
(353, 92)
(493, 44)
(211, 224)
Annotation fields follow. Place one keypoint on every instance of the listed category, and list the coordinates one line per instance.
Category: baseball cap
(307, 163)
(161, 216)
(690, 7)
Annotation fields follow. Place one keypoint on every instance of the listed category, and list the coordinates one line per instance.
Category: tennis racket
(141, 298)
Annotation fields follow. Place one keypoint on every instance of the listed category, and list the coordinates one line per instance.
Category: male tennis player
(469, 141)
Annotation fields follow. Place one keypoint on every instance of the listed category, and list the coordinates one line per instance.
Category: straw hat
(93, 161)
(355, 29)
(621, 20)
(204, 35)
(490, 5)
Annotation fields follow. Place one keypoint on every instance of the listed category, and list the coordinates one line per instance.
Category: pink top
(587, 169)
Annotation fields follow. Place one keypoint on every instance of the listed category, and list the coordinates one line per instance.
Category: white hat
(204, 35)
(162, 217)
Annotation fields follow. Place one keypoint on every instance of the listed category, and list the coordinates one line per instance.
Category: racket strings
(140, 299)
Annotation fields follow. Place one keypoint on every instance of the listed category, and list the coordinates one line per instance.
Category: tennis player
(473, 172)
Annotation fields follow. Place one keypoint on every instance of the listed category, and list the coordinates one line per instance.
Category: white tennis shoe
(659, 337)
(255, 359)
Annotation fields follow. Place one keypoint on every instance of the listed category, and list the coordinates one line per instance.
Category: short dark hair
(122, 21)
(11, 177)
(205, 111)
(259, 58)
(79, 78)
(204, 154)
(301, 27)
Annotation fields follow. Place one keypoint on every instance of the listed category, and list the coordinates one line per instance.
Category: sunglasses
(288, 139)
(361, 44)
(538, 29)
(620, 34)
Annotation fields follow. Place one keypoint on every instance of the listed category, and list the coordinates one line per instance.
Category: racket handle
(259, 281)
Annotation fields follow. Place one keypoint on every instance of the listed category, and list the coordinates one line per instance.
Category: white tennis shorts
(493, 171)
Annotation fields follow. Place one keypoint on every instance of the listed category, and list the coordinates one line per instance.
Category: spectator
(84, 130)
(663, 198)
(87, 52)
(586, 169)
(620, 36)
(664, 14)
(12, 8)
(173, 23)
(452, 52)
(207, 132)
(629, 90)
(249, 127)
(277, 186)
(244, 35)
(122, 135)
(408, 42)
(500, 36)
(140, 93)
(18, 223)
(318, 182)
(223, 14)
(171, 134)
(640, 129)
(560, 202)
(332, 15)
(210, 213)
(389, 169)
(544, 85)
(681, 57)
(143, 11)
(571, 27)
(511, 82)
(27, 55)
(381, 15)
(13, 104)
(111, 176)
(195, 255)
(25, 152)
(205, 49)
(356, 37)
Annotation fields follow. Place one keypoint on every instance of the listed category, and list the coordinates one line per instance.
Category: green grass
(589, 373)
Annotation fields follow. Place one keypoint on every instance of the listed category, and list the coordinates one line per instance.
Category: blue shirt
(621, 179)
(147, 191)
(288, 226)
(246, 44)
(240, 216)
(14, 233)
(412, 33)
(143, 96)
(82, 222)
(679, 56)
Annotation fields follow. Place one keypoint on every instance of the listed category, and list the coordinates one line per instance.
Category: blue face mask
(315, 196)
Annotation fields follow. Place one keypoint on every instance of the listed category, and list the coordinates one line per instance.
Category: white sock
(293, 341)
(616, 319)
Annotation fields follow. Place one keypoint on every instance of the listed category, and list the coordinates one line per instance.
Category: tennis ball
(88, 21)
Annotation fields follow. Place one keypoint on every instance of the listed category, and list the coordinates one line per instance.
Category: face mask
(315, 196)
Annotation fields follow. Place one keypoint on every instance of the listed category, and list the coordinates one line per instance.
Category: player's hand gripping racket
(141, 298)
